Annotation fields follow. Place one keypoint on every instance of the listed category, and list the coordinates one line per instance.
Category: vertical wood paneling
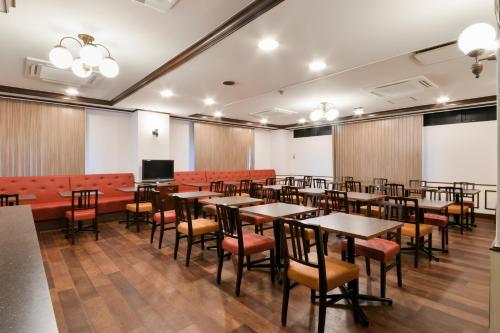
(41, 139)
(222, 147)
(389, 148)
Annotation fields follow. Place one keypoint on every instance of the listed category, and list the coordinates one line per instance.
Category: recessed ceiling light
(167, 93)
(359, 111)
(217, 114)
(317, 65)
(209, 101)
(302, 120)
(263, 121)
(442, 99)
(72, 92)
(268, 44)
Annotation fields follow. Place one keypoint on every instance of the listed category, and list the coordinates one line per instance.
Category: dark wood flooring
(121, 283)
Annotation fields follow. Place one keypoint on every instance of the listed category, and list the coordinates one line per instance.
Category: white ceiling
(363, 43)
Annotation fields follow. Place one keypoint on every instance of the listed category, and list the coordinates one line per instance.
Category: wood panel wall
(41, 139)
(389, 148)
(223, 147)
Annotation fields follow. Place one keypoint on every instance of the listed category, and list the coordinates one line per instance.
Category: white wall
(280, 151)
(181, 141)
(108, 141)
(460, 152)
(311, 155)
(263, 151)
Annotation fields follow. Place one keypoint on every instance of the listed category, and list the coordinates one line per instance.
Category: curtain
(389, 148)
(38, 139)
(223, 147)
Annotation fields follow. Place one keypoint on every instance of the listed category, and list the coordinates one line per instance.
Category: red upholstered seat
(81, 215)
(262, 174)
(376, 248)
(49, 210)
(187, 177)
(252, 243)
(438, 220)
(168, 216)
(255, 219)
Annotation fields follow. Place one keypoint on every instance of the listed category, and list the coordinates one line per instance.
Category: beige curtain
(390, 148)
(41, 139)
(223, 147)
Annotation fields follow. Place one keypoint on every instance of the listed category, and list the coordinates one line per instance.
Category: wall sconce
(155, 132)
(478, 41)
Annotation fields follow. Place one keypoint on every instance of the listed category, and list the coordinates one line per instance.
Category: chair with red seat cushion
(238, 243)
(83, 208)
(268, 196)
(382, 250)
(164, 211)
(438, 220)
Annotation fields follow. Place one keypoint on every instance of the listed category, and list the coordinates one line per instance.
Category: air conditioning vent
(438, 54)
(402, 100)
(159, 5)
(44, 71)
(274, 113)
(409, 87)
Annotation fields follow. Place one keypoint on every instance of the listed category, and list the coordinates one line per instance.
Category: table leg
(277, 252)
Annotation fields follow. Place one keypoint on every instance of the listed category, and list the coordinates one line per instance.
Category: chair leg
(189, 246)
(256, 228)
(96, 228)
(322, 311)
(286, 296)
(307, 246)
(417, 250)
(368, 268)
(399, 270)
(273, 268)
(73, 232)
(176, 247)
(239, 275)
(153, 229)
(137, 221)
(383, 273)
(219, 266)
(128, 218)
(429, 246)
(325, 243)
(248, 263)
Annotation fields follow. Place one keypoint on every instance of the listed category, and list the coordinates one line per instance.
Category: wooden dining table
(68, 194)
(361, 227)
(237, 201)
(195, 196)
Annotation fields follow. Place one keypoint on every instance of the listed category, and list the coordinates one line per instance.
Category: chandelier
(90, 54)
(326, 111)
(478, 41)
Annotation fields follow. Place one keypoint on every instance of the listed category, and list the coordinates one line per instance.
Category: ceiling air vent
(44, 71)
(159, 5)
(409, 87)
(274, 113)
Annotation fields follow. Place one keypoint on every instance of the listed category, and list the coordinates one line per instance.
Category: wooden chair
(164, 211)
(233, 240)
(255, 190)
(83, 208)
(417, 189)
(9, 200)
(191, 229)
(459, 210)
(336, 201)
(315, 271)
(320, 183)
(380, 182)
(347, 178)
(386, 251)
(373, 208)
(395, 190)
(352, 186)
(269, 196)
(142, 206)
(229, 190)
(308, 180)
(271, 181)
(290, 181)
(244, 189)
(470, 202)
(290, 194)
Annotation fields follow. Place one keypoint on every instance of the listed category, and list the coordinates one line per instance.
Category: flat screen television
(157, 170)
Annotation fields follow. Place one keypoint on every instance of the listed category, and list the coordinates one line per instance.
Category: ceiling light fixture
(209, 101)
(478, 40)
(217, 114)
(90, 56)
(167, 93)
(268, 44)
(317, 66)
(71, 92)
(263, 121)
(324, 110)
(442, 99)
(302, 120)
(359, 111)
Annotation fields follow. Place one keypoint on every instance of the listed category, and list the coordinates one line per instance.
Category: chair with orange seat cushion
(233, 240)
(164, 211)
(244, 189)
(210, 210)
(382, 250)
(315, 271)
(142, 206)
(458, 210)
(83, 208)
(468, 199)
(191, 229)
(440, 220)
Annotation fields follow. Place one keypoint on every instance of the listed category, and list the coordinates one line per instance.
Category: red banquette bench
(187, 177)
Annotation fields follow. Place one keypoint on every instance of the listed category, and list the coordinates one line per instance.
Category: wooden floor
(121, 283)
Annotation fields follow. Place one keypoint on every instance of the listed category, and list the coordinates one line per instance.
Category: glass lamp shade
(81, 69)
(91, 55)
(479, 36)
(317, 114)
(60, 57)
(331, 114)
(109, 68)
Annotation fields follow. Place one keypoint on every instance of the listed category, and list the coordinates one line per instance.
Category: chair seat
(438, 220)
(81, 214)
(338, 272)
(409, 229)
(200, 227)
(245, 195)
(308, 233)
(143, 207)
(255, 219)
(209, 209)
(376, 248)
(456, 209)
(168, 217)
(469, 204)
(252, 243)
(374, 210)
